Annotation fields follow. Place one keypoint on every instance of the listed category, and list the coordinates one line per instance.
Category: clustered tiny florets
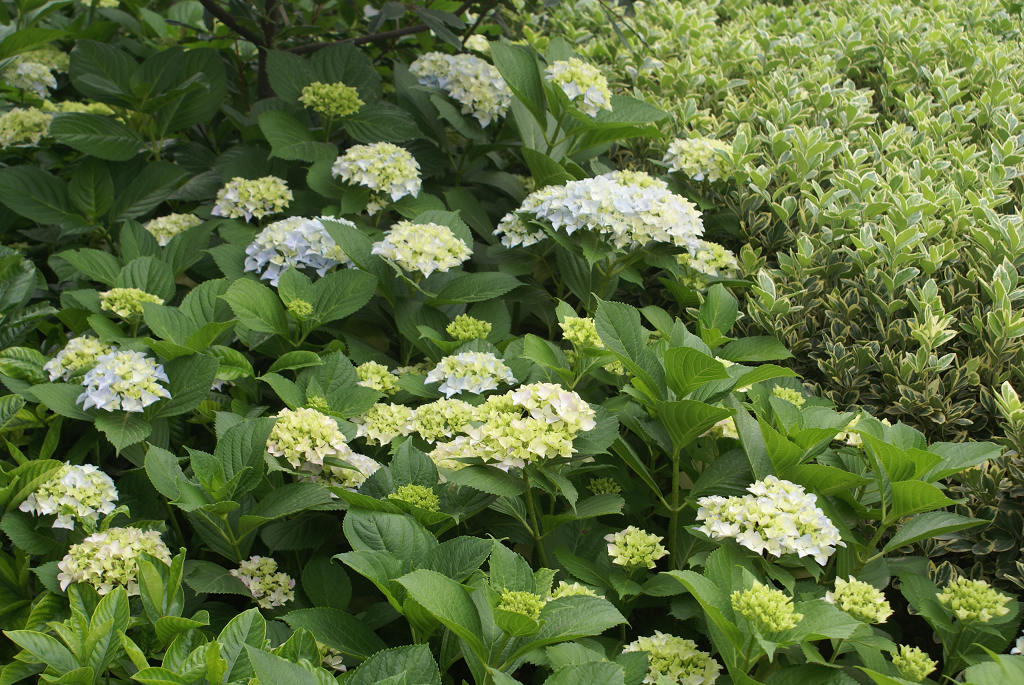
(268, 586)
(425, 248)
(635, 548)
(377, 377)
(78, 355)
(465, 328)
(387, 169)
(127, 302)
(521, 602)
(674, 659)
(474, 372)
(974, 600)
(163, 228)
(698, 158)
(711, 259)
(860, 600)
(418, 496)
(777, 517)
(767, 609)
(467, 79)
(331, 99)
(293, 242)
(582, 83)
(789, 395)
(564, 589)
(248, 198)
(73, 493)
(912, 663)
(125, 380)
(309, 440)
(23, 126)
(110, 558)
(31, 76)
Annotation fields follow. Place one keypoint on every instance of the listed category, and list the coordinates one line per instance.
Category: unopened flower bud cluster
(386, 169)
(125, 380)
(766, 608)
(73, 493)
(698, 158)
(674, 659)
(110, 558)
(418, 496)
(377, 377)
(789, 395)
(293, 242)
(164, 228)
(521, 602)
(635, 548)
(473, 372)
(331, 99)
(127, 302)
(425, 248)
(912, 663)
(465, 328)
(78, 355)
(467, 79)
(777, 517)
(564, 589)
(604, 486)
(248, 198)
(268, 586)
(860, 600)
(726, 428)
(581, 331)
(974, 600)
(582, 83)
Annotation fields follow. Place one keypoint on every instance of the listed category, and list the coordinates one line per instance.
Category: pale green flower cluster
(125, 380)
(789, 395)
(767, 609)
(127, 302)
(581, 331)
(582, 83)
(422, 247)
(386, 169)
(711, 259)
(304, 437)
(860, 600)
(604, 486)
(382, 423)
(418, 496)
(73, 493)
(299, 308)
(31, 76)
(77, 107)
(248, 198)
(698, 158)
(635, 548)
(912, 663)
(163, 228)
(377, 377)
(110, 558)
(331, 99)
(522, 602)
(474, 372)
(726, 428)
(465, 328)
(478, 43)
(467, 79)
(50, 57)
(674, 659)
(974, 600)
(441, 419)
(629, 208)
(268, 586)
(349, 474)
(777, 517)
(78, 355)
(564, 589)
(23, 126)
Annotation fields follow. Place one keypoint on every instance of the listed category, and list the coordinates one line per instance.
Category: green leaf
(718, 311)
(247, 628)
(459, 557)
(477, 287)
(101, 71)
(449, 603)
(518, 66)
(338, 630)
(342, 293)
(687, 369)
(570, 618)
(757, 348)
(240, 452)
(91, 189)
(153, 185)
(380, 531)
(96, 264)
(487, 479)
(509, 571)
(913, 496)
(326, 583)
(273, 669)
(288, 74)
(38, 195)
(123, 428)
(594, 672)
(61, 398)
(296, 359)
(257, 307)
(289, 139)
(45, 649)
(619, 328)
(189, 381)
(544, 170)
(206, 577)
(930, 525)
(412, 664)
(20, 528)
(686, 420)
(97, 135)
(381, 121)
(958, 456)
(348, 64)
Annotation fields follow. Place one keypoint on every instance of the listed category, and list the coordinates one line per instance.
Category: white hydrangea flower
(777, 517)
(382, 423)
(711, 259)
(1018, 646)
(442, 418)
(294, 242)
(422, 247)
(467, 79)
(248, 198)
(697, 158)
(78, 355)
(125, 380)
(31, 76)
(583, 82)
(268, 586)
(163, 228)
(675, 660)
(109, 559)
(474, 372)
(73, 493)
(386, 169)
(304, 437)
(630, 208)
(551, 403)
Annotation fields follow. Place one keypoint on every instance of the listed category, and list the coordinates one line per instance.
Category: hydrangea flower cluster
(331, 99)
(604, 486)
(50, 57)
(127, 302)
(635, 548)
(441, 419)
(711, 259)
(77, 355)
(581, 331)
(726, 428)
(467, 79)
(697, 158)
(465, 328)
(163, 228)
(304, 437)
(268, 586)
(912, 663)
(73, 493)
(564, 589)
(382, 423)
(522, 602)
(110, 558)
(248, 198)
(77, 107)
(31, 76)
(386, 169)
(768, 609)
(378, 377)
(974, 600)
(861, 600)
(674, 659)
(418, 496)
(582, 83)
(630, 208)
(778, 517)
(474, 372)
(125, 380)
(789, 395)
(425, 248)
(23, 126)
(293, 242)
(478, 43)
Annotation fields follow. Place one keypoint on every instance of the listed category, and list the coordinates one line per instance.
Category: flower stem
(531, 509)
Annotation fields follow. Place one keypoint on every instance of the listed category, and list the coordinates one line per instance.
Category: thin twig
(484, 11)
(229, 21)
